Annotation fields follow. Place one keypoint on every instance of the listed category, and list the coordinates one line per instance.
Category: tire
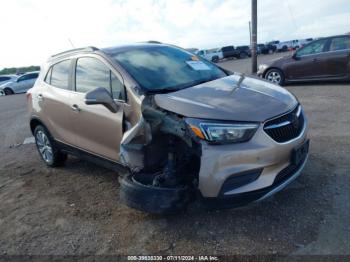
(47, 147)
(275, 76)
(139, 194)
(243, 55)
(215, 59)
(8, 91)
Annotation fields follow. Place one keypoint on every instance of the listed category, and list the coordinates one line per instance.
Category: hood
(278, 60)
(224, 99)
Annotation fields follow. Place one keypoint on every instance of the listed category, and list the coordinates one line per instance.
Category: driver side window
(313, 48)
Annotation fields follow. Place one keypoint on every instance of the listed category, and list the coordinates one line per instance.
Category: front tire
(275, 76)
(47, 147)
(8, 91)
(138, 192)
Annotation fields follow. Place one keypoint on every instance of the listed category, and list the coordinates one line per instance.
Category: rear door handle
(40, 97)
(75, 108)
(314, 60)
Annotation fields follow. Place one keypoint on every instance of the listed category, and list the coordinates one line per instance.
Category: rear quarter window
(60, 74)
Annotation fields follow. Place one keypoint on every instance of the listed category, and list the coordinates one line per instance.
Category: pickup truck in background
(213, 55)
(292, 44)
(244, 51)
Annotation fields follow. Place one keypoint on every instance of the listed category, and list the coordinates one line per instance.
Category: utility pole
(250, 34)
(254, 36)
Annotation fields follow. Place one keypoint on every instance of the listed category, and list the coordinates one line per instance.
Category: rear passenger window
(60, 74)
(4, 78)
(92, 73)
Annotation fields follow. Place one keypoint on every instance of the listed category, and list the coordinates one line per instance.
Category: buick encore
(173, 125)
(323, 59)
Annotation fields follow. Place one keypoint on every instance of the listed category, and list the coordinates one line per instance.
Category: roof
(124, 48)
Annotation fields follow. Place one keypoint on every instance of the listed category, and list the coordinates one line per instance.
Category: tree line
(18, 70)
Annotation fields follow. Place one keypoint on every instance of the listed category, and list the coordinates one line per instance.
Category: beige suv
(173, 125)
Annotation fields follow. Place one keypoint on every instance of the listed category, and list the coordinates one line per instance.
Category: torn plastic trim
(153, 120)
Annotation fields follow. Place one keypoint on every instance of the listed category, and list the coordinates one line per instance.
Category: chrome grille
(285, 127)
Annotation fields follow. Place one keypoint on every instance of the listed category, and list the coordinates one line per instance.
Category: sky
(32, 30)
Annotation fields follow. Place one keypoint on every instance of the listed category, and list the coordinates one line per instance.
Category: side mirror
(100, 96)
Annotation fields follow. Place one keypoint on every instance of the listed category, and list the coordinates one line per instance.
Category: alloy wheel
(44, 146)
(274, 77)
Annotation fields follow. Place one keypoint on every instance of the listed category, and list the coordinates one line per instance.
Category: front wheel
(139, 192)
(8, 91)
(47, 147)
(275, 76)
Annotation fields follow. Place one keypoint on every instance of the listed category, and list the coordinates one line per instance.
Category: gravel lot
(75, 209)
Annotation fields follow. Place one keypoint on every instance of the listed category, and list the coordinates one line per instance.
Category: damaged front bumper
(236, 174)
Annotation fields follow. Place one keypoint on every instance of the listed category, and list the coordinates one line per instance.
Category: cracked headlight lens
(225, 133)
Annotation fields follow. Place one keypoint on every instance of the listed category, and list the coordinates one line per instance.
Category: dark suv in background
(232, 52)
(244, 51)
(324, 59)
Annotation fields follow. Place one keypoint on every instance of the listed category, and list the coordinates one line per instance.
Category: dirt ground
(75, 209)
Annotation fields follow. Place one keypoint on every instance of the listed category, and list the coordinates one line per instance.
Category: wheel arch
(34, 122)
(8, 88)
(272, 67)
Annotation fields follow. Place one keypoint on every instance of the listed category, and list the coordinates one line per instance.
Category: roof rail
(89, 48)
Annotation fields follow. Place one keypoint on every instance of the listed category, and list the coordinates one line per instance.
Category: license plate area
(299, 153)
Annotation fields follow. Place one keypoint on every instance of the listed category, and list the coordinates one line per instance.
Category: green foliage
(19, 70)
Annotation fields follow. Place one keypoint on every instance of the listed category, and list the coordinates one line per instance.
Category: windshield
(165, 68)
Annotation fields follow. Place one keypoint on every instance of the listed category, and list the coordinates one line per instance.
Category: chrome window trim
(326, 52)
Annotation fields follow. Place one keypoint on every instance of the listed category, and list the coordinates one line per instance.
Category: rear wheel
(47, 148)
(215, 59)
(8, 91)
(275, 76)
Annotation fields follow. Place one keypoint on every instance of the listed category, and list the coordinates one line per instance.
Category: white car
(7, 78)
(21, 84)
(211, 55)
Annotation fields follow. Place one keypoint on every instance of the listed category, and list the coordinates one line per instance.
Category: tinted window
(4, 78)
(227, 48)
(92, 73)
(60, 74)
(22, 78)
(165, 68)
(32, 76)
(313, 48)
(117, 87)
(340, 43)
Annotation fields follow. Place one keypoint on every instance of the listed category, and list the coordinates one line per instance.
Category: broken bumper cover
(236, 174)
(241, 199)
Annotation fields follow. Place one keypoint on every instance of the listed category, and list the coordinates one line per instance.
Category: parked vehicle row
(324, 59)
(18, 84)
(211, 55)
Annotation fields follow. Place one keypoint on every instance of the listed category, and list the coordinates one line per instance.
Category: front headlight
(219, 133)
(262, 67)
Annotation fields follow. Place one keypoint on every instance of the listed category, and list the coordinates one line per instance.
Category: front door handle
(40, 97)
(75, 108)
(314, 60)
